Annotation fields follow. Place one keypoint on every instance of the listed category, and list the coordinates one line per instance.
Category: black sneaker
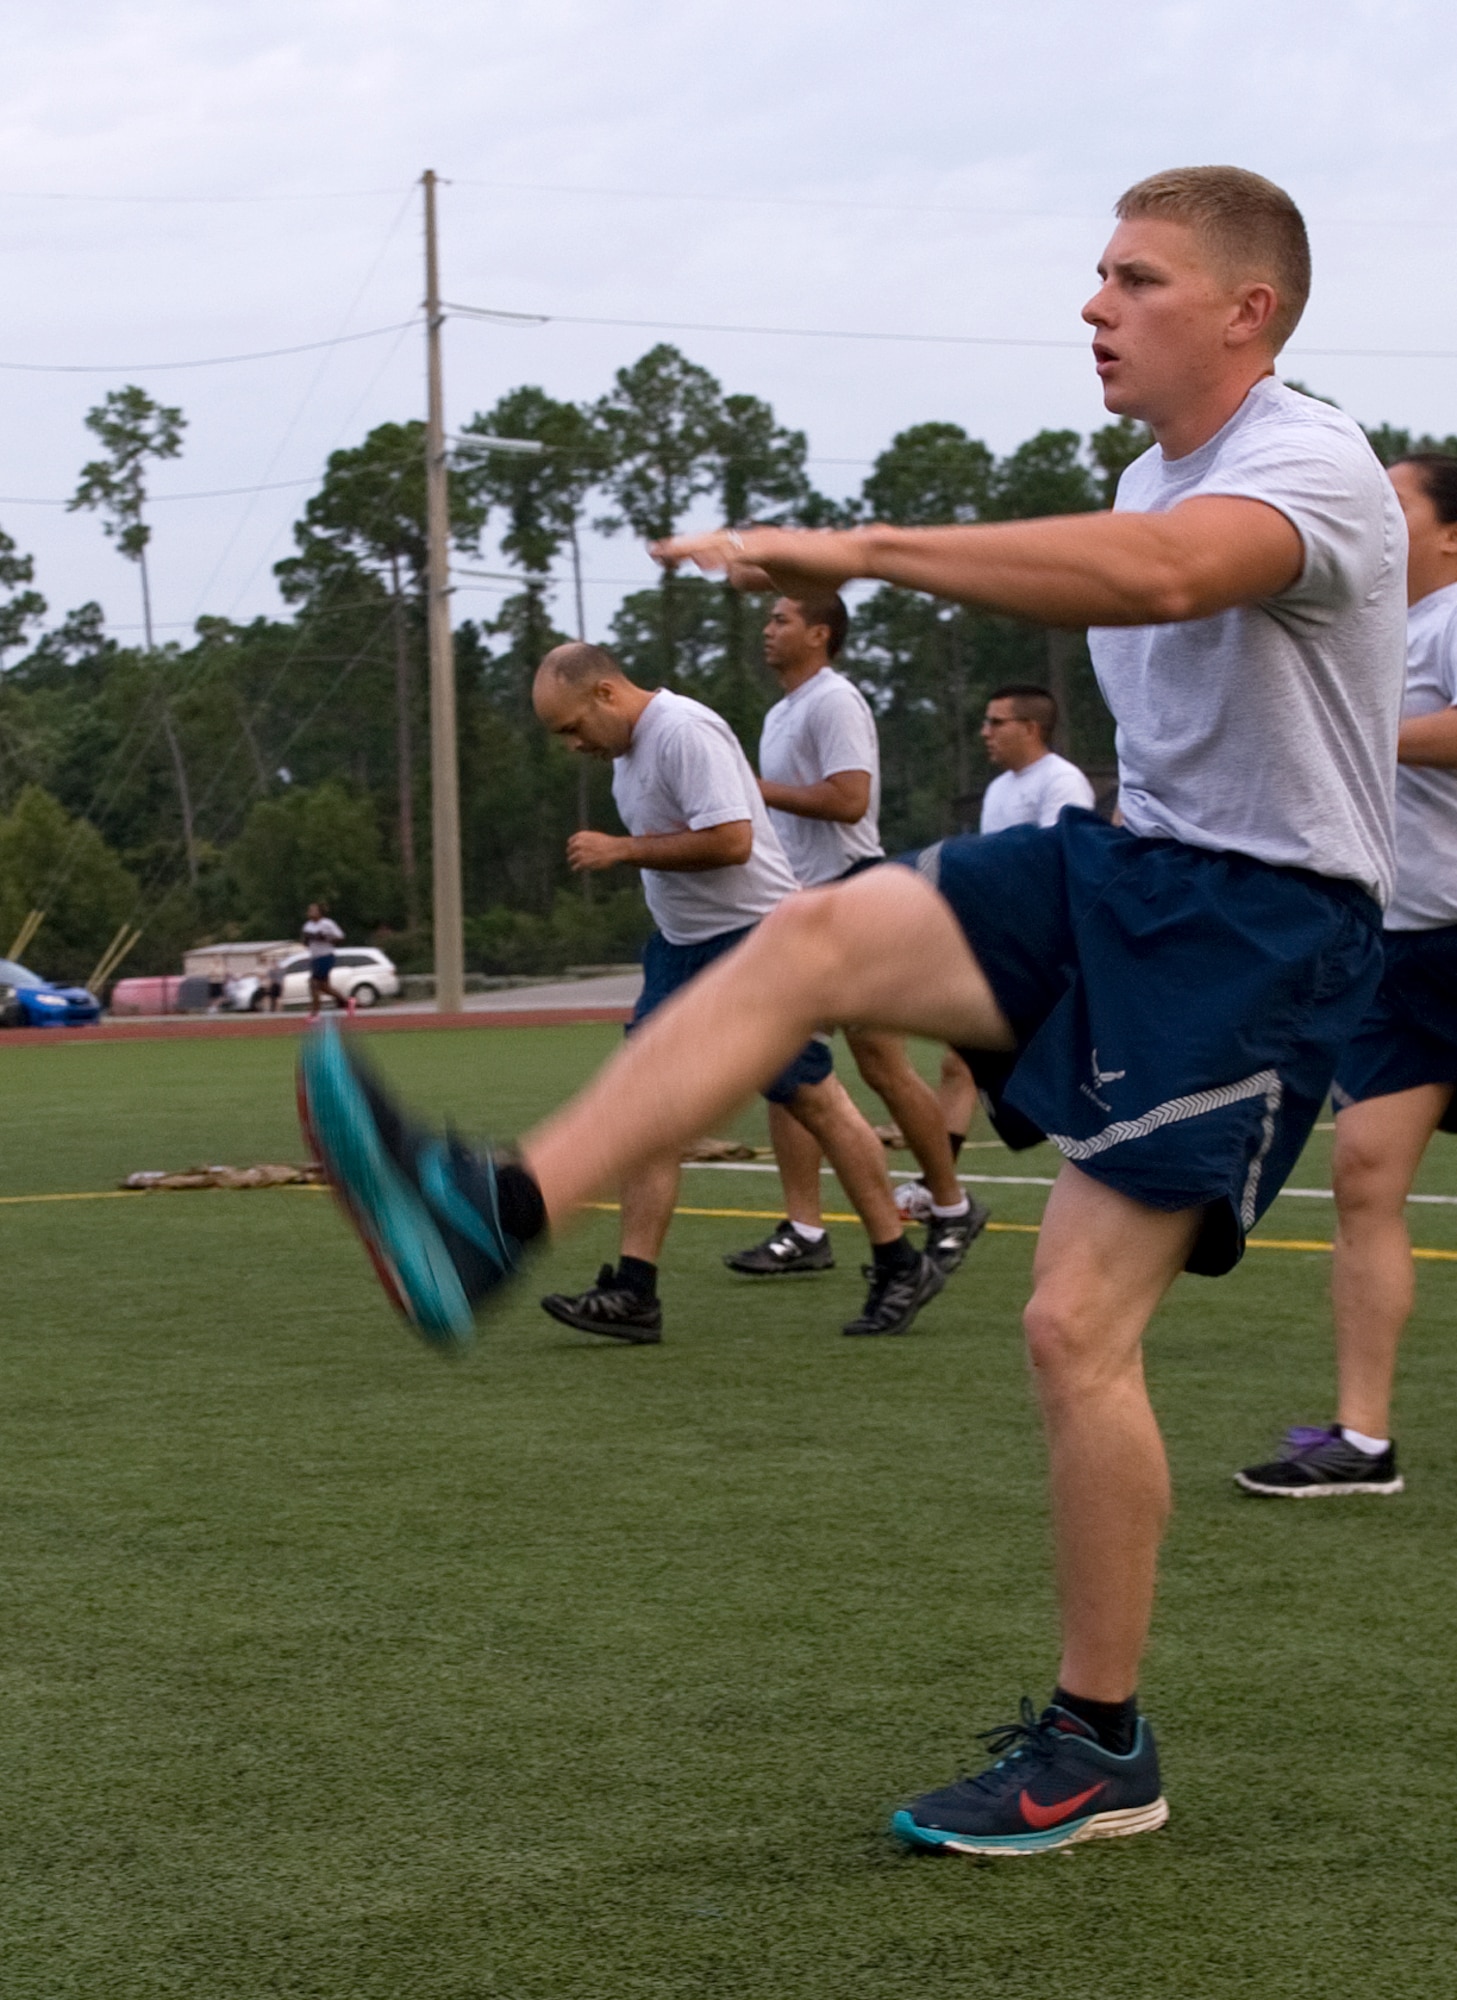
(427, 1208)
(1053, 1784)
(785, 1251)
(608, 1307)
(949, 1237)
(896, 1297)
(1314, 1462)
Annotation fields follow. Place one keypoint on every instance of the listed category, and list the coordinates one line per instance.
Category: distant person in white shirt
(1035, 783)
(320, 935)
(1396, 1083)
(712, 869)
(1033, 787)
(819, 772)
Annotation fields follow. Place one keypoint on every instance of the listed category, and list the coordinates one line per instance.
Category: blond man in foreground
(1165, 1000)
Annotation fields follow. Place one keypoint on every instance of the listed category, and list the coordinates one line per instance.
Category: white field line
(1015, 1180)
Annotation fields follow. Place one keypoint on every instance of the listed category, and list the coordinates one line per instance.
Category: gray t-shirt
(684, 771)
(823, 726)
(1035, 795)
(1270, 729)
(1426, 797)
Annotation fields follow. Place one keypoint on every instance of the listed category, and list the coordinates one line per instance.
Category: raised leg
(1379, 1146)
(1103, 1263)
(882, 949)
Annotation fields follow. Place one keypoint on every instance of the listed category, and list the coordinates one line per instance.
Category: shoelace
(1012, 1742)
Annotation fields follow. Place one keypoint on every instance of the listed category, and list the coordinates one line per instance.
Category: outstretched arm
(1202, 557)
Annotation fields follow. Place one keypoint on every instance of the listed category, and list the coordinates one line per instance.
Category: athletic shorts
(320, 968)
(1178, 1012)
(666, 967)
(1409, 1035)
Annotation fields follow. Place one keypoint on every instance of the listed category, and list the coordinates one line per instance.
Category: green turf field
(574, 1672)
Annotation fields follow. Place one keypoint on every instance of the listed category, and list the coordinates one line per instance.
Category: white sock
(963, 1207)
(1373, 1447)
(807, 1230)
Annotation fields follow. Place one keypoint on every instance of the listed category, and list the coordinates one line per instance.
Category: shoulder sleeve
(708, 776)
(844, 735)
(1332, 490)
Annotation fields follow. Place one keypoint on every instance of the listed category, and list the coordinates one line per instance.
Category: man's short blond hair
(1254, 227)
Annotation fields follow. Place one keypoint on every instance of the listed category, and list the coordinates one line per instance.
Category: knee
(1070, 1352)
(1363, 1181)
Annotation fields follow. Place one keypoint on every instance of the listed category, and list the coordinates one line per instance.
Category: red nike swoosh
(1038, 1817)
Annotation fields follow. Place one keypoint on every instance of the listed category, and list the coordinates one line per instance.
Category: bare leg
(1103, 1263)
(798, 1155)
(829, 1112)
(888, 1069)
(883, 948)
(1379, 1146)
(957, 1093)
(648, 1200)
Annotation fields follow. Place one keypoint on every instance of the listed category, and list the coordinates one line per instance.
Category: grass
(329, 1669)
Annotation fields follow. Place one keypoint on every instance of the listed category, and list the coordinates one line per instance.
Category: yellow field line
(720, 1214)
(1020, 1229)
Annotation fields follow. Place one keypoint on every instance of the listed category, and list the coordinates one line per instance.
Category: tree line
(213, 789)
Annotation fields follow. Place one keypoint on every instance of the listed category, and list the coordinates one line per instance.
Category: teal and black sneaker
(1052, 1784)
(429, 1209)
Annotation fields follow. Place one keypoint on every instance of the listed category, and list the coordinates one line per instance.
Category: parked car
(28, 1001)
(361, 973)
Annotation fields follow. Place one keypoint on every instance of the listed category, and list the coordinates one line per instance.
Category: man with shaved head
(1164, 1000)
(712, 867)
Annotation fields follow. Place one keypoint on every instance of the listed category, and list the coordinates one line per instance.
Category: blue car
(28, 1001)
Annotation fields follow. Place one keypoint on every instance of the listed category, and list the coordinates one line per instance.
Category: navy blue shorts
(1178, 1012)
(666, 967)
(320, 968)
(1409, 1035)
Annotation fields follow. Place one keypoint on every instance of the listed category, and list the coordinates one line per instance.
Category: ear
(1253, 310)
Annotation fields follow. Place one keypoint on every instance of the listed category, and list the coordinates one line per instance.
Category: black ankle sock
(1114, 1723)
(958, 1140)
(892, 1257)
(637, 1276)
(523, 1213)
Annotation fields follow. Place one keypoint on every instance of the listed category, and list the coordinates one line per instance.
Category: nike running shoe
(1052, 1785)
(427, 1208)
(609, 1307)
(913, 1199)
(782, 1252)
(896, 1297)
(949, 1237)
(1314, 1462)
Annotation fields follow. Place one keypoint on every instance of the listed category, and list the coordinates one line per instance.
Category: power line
(156, 499)
(504, 318)
(738, 199)
(207, 361)
(195, 200)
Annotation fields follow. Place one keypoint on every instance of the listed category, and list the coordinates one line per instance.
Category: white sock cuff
(808, 1230)
(1373, 1447)
(963, 1207)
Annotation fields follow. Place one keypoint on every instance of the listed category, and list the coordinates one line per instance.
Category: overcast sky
(192, 179)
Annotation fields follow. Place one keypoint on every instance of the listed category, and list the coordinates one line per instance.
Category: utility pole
(444, 753)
